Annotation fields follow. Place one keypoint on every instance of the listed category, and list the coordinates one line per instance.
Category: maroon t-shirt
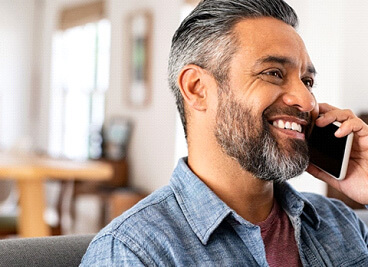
(279, 239)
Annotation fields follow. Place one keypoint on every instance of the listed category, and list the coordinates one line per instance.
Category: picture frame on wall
(117, 134)
(139, 88)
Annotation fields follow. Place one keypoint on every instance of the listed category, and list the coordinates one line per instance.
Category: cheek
(261, 100)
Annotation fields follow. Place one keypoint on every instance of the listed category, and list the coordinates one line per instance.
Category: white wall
(354, 22)
(153, 144)
(16, 47)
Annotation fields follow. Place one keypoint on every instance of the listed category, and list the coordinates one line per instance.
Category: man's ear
(193, 87)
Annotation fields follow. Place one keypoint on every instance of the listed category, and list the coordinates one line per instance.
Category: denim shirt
(186, 224)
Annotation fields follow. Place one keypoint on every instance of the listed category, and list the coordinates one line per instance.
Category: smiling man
(243, 83)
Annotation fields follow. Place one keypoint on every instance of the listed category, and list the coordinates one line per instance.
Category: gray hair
(205, 38)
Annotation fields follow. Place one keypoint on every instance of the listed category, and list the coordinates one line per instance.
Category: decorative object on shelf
(139, 70)
(116, 134)
(95, 143)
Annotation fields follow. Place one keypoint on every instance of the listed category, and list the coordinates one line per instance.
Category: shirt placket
(252, 239)
(307, 250)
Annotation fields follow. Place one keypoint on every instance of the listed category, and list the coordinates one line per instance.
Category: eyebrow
(284, 61)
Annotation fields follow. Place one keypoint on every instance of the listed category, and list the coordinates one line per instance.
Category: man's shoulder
(320, 200)
(146, 217)
(141, 230)
(157, 200)
(330, 208)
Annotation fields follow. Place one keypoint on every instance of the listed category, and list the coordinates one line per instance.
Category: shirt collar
(201, 207)
(296, 204)
(205, 211)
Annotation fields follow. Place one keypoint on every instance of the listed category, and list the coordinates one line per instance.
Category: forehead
(262, 37)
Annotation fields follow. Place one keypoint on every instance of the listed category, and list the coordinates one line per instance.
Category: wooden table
(31, 171)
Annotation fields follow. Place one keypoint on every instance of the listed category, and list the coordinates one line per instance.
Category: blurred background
(87, 80)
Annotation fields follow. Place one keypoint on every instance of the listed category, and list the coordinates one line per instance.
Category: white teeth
(281, 124)
(287, 125)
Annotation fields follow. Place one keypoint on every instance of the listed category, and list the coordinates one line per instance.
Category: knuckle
(349, 112)
(361, 122)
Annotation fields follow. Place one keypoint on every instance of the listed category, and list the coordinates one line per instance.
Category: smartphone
(329, 153)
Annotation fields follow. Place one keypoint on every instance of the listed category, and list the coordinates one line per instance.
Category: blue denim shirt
(186, 224)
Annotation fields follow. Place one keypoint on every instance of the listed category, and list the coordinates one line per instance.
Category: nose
(300, 97)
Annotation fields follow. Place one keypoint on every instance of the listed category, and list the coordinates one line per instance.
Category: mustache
(290, 111)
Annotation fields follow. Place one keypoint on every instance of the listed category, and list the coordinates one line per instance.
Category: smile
(288, 125)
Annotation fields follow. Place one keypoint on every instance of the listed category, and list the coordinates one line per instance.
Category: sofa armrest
(52, 251)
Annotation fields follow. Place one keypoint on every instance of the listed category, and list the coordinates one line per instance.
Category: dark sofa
(46, 251)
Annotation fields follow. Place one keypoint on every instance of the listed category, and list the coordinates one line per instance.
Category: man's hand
(355, 184)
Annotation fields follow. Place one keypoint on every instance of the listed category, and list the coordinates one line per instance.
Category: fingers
(324, 107)
(329, 114)
(355, 125)
(349, 121)
(313, 170)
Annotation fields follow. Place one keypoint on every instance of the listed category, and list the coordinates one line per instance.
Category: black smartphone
(329, 153)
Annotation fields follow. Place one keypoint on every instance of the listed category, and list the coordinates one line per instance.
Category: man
(243, 84)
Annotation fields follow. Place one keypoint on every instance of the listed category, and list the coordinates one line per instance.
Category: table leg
(32, 206)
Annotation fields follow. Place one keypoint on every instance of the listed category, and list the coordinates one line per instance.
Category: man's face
(267, 106)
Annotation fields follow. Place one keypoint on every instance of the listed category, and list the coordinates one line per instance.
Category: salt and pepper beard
(251, 143)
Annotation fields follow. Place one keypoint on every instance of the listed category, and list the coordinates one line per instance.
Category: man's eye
(308, 82)
(274, 73)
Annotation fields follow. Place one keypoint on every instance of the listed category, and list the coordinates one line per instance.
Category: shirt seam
(356, 261)
(136, 245)
(159, 201)
(203, 238)
(127, 245)
(124, 235)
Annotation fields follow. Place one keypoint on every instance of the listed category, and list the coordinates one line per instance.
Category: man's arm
(355, 185)
(109, 251)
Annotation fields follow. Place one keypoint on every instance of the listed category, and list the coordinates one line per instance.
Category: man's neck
(250, 197)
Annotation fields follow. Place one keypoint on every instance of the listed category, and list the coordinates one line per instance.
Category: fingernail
(338, 132)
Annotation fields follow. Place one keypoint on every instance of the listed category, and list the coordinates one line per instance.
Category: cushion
(53, 251)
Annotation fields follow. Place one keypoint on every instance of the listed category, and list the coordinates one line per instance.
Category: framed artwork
(117, 135)
(140, 42)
